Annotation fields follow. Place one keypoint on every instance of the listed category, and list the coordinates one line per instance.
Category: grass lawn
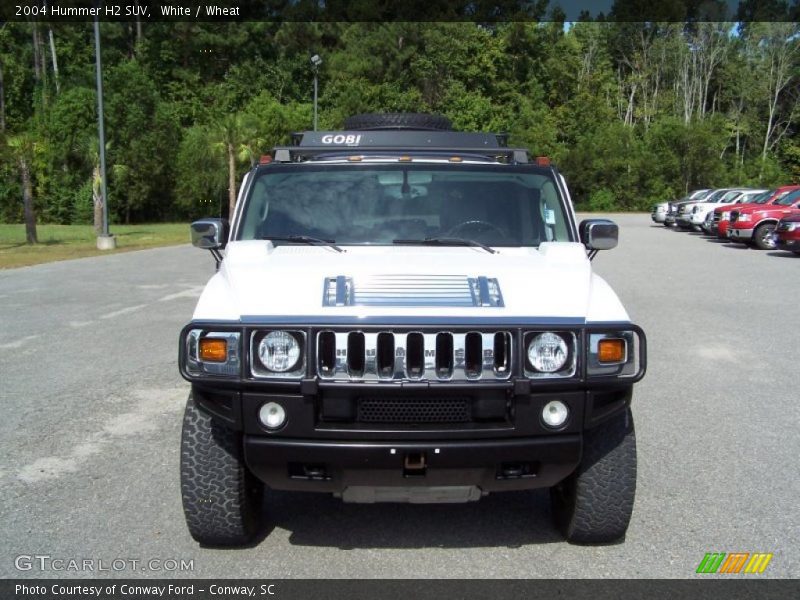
(61, 242)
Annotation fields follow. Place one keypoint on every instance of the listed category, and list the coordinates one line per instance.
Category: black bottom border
(418, 589)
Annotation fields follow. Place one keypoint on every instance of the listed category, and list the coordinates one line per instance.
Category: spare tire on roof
(418, 121)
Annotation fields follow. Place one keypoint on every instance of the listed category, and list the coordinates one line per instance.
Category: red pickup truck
(755, 224)
(722, 214)
(787, 233)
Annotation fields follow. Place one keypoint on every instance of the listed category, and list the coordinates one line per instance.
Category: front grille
(414, 355)
(717, 217)
(414, 410)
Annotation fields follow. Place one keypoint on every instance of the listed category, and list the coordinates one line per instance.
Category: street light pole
(105, 241)
(316, 61)
(315, 99)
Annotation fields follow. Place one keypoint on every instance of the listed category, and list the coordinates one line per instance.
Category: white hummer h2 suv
(406, 313)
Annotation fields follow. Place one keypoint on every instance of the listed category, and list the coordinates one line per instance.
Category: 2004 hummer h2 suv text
(405, 313)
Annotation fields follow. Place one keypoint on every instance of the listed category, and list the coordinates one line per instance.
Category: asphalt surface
(92, 405)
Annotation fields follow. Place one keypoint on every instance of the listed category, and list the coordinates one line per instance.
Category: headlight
(279, 351)
(548, 352)
(212, 353)
(744, 217)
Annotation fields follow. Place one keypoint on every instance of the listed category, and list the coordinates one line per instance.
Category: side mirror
(210, 234)
(599, 234)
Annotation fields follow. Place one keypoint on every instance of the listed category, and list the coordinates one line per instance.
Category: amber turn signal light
(213, 350)
(611, 350)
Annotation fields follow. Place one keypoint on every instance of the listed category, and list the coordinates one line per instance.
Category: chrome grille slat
(394, 345)
(340, 368)
(429, 356)
(487, 355)
(370, 355)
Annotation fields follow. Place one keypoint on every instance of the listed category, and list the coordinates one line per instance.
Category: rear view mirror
(599, 234)
(210, 234)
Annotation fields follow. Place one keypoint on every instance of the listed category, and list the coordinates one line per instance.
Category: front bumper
(698, 219)
(461, 437)
(740, 234)
(342, 467)
(785, 243)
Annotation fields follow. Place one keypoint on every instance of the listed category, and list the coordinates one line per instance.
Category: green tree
(234, 136)
(23, 149)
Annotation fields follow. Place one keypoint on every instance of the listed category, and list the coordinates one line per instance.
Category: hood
(765, 208)
(259, 281)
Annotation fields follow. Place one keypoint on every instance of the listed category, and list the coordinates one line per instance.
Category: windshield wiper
(447, 241)
(303, 239)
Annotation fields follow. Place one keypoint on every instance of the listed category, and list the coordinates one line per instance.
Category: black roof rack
(312, 143)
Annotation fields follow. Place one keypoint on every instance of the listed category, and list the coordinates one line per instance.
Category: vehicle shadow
(783, 254)
(510, 519)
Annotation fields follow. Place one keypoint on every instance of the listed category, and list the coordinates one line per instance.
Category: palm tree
(236, 137)
(23, 147)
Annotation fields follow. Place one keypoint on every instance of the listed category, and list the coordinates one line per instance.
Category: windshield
(730, 196)
(716, 195)
(384, 204)
(761, 198)
(766, 196)
(788, 199)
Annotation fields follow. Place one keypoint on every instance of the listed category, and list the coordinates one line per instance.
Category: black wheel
(594, 504)
(221, 497)
(762, 236)
(422, 121)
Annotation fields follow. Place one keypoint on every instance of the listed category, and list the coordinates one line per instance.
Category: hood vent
(412, 290)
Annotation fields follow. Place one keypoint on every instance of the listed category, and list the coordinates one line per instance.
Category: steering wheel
(477, 225)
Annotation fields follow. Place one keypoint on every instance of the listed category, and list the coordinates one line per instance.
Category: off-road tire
(221, 497)
(419, 121)
(759, 234)
(594, 504)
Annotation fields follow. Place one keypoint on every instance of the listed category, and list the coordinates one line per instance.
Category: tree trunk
(231, 181)
(55, 62)
(27, 202)
(37, 73)
(2, 102)
(138, 28)
(97, 201)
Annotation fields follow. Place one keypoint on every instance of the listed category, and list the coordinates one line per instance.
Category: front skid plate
(446, 494)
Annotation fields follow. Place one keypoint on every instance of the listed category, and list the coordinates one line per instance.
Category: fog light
(555, 413)
(272, 415)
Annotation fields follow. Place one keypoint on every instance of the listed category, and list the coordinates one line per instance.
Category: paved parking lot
(92, 411)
